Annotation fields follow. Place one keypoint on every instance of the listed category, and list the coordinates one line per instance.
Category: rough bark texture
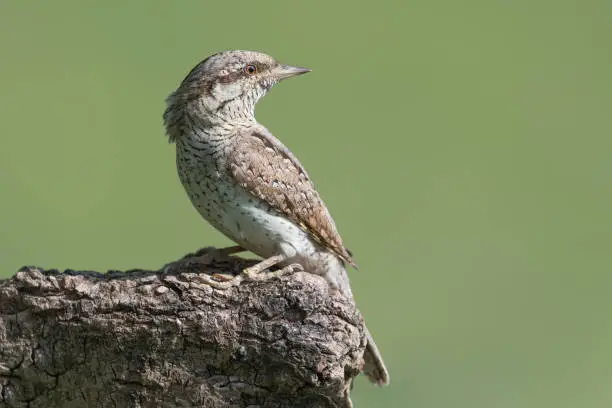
(145, 339)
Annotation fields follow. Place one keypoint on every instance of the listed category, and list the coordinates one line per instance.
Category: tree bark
(151, 339)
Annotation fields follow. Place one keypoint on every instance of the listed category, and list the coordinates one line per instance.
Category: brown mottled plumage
(246, 183)
(267, 169)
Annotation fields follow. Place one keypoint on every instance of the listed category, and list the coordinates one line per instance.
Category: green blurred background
(462, 147)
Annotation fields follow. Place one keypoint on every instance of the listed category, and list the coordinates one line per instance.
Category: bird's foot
(257, 273)
(208, 257)
(218, 280)
(196, 265)
(254, 274)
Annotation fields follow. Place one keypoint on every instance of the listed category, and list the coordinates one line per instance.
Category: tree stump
(151, 339)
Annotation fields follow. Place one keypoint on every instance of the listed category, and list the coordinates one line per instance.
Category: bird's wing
(262, 165)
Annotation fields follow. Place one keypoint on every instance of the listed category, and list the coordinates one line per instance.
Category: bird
(247, 184)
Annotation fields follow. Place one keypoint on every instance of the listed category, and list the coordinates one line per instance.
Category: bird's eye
(250, 69)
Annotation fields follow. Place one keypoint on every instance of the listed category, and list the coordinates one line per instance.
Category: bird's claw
(252, 274)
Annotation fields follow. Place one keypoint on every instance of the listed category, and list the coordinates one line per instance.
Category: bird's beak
(287, 71)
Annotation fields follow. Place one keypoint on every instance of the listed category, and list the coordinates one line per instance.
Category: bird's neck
(199, 121)
(234, 112)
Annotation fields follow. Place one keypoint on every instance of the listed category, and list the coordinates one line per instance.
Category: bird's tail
(374, 366)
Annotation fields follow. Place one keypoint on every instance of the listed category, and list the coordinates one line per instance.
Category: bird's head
(228, 85)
